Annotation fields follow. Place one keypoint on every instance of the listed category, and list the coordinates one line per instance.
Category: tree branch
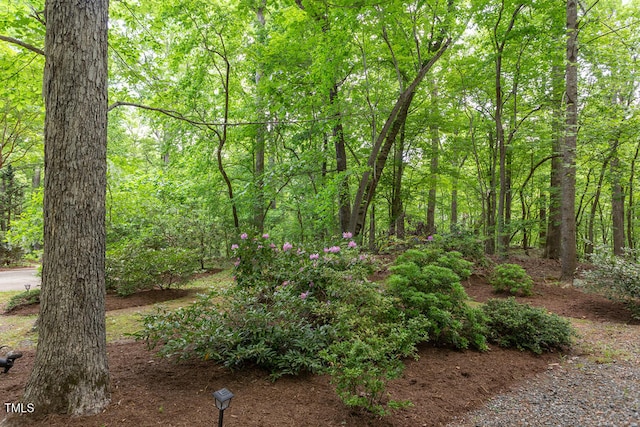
(22, 44)
(179, 116)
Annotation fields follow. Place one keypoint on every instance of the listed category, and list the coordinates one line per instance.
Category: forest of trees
(308, 118)
(173, 128)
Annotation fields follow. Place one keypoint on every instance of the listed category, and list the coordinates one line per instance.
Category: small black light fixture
(223, 399)
(27, 287)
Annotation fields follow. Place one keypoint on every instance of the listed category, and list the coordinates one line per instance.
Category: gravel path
(597, 387)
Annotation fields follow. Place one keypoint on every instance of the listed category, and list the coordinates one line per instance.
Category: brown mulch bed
(443, 383)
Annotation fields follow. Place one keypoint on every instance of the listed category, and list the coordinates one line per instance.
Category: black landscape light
(223, 399)
(27, 287)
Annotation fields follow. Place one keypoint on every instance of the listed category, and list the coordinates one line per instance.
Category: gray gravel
(576, 393)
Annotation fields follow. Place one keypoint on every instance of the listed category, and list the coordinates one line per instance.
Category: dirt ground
(443, 383)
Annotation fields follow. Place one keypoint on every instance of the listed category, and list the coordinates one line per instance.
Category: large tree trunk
(617, 205)
(70, 373)
(569, 259)
(552, 243)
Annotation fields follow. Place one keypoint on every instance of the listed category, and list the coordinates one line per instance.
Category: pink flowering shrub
(294, 310)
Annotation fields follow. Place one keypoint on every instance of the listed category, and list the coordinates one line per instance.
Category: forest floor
(442, 384)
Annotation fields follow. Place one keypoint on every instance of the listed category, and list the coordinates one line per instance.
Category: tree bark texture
(568, 257)
(70, 373)
(617, 205)
(552, 241)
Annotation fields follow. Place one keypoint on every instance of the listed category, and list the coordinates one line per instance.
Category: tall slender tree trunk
(595, 203)
(617, 204)
(383, 143)
(569, 258)
(490, 241)
(552, 243)
(434, 133)
(344, 209)
(259, 167)
(433, 175)
(396, 226)
(70, 373)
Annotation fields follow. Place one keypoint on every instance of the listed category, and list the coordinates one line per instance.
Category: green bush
(618, 278)
(454, 261)
(512, 324)
(428, 289)
(467, 242)
(511, 278)
(293, 310)
(24, 298)
(135, 267)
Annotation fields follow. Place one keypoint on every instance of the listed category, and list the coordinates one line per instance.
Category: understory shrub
(617, 277)
(511, 324)
(511, 278)
(467, 242)
(135, 267)
(295, 309)
(24, 298)
(427, 283)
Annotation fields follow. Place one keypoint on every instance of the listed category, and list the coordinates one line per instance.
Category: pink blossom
(352, 244)
(287, 246)
(272, 246)
(430, 238)
(237, 263)
(244, 236)
(347, 235)
(265, 236)
(314, 256)
(304, 295)
(334, 249)
(326, 250)
(234, 247)
(285, 283)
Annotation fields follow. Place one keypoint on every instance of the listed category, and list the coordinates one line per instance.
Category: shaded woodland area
(175, 130)
(307, 119)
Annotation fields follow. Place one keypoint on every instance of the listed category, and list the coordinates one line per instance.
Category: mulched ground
(443, 383)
